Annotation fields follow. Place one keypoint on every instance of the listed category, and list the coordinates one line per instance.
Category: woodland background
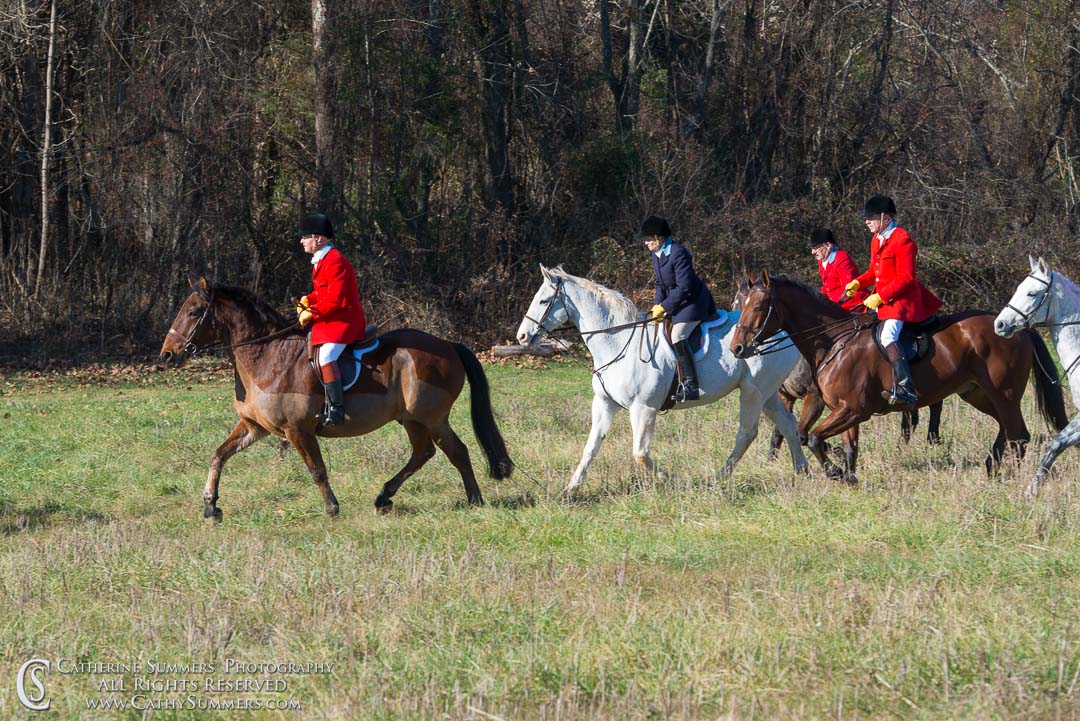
(456, 143)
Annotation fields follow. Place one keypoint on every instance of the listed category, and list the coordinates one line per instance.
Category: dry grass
(928, 592)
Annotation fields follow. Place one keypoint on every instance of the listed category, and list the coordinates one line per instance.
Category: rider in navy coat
(680, 294)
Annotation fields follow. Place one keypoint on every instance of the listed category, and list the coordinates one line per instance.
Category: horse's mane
(812, 292)
(264, 312)
(614, 298)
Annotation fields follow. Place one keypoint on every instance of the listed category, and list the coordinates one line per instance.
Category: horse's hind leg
(750, 404)
(981, 401)
(777, 439)
(933, 431)
(458, 453)
(307, 445)
(780, 415)
(1069, 436)
(643, 425)
(422, 451)
(242, 436)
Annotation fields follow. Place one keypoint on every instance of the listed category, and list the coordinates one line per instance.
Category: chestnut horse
(968, 358)
(411, 377)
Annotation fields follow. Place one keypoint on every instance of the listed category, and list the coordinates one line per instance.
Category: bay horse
(1048, 299)
(987, 371)
(411, 377)
(635, 371)
(800, 384)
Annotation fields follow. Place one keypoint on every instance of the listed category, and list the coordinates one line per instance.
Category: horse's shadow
(30, 519)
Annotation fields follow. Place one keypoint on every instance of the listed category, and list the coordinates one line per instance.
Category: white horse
(632, 370)
(1049, 299)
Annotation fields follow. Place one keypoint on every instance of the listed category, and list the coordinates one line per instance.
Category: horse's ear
(1043, 267)
(764, 278)
(199, 286)
(545, 272)
(1034, 262)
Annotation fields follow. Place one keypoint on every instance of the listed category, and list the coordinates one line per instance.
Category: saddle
(349, 361)
(916, 339)
(695, 338)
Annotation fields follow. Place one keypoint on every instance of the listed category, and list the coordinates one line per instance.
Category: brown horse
(411, 377)
(968, 359)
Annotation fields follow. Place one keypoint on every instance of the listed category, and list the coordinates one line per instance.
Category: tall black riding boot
(334, 413)
(903, 389)
(688, 389)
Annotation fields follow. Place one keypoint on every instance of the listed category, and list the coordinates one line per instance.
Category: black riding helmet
(316, 224)
(654, 226)
(878, 204)
(818, 237)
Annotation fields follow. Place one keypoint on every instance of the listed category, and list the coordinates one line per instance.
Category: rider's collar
(831, 258)
(884, 235)
(320, 253)
(665, 249)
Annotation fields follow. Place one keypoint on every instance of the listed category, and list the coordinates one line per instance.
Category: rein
(773, 345)
(560, 291)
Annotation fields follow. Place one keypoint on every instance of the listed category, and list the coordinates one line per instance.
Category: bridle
(189, 345)
(192, 350)
(559, 291)
(1047, 292)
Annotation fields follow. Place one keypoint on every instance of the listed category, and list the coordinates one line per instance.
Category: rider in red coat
(836, 269)
(332, 309)
(898, 297)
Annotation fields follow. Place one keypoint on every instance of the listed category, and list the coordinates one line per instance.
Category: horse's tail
(1048, 395)
(499, 464)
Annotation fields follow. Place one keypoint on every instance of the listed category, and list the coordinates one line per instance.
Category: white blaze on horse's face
(1029, 304)
(547, 309)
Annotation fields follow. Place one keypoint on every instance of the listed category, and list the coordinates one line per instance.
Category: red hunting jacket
(892, 273)
(838, 274)
(335, 301)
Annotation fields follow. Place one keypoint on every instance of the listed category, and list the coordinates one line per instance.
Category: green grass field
(928, 592)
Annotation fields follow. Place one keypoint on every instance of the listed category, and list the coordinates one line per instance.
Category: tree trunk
(325, 108)
(46, 149)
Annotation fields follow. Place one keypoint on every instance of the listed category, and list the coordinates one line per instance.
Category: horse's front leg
(643, 425)
(243, 435)
(780, 415)
(841, 419)
(307, 445)
(1069, 436)
(603, 412)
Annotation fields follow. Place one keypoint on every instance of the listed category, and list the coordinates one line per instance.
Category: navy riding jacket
(678, 288)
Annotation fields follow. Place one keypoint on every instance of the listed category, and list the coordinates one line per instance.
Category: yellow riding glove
(851, 288)
(657, 312)
(301, 305)
(873, 301)
(306, 317)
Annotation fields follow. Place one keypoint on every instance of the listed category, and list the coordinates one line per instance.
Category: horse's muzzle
(1003, 329)
(740, 350)
(173, 359)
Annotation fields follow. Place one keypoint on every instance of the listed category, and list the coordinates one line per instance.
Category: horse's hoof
(332, 509)
(384, 507)
(663, 476)
(802, 469)
(851, 479)
(773, 455)
(476, 500)
(213, 512)
(833, 472)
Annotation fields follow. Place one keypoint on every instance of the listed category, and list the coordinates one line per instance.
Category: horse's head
(193, 328)
(759, 319)
(547, 310)
(1030, 303)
